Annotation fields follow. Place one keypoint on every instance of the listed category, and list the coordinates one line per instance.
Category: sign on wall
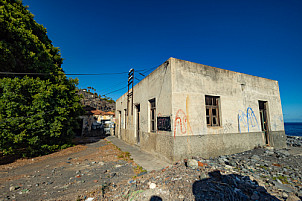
(163, 124)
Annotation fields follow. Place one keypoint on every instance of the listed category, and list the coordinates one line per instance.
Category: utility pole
(130, 94)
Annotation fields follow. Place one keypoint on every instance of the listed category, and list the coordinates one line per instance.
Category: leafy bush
(38, 112)
(36, 116)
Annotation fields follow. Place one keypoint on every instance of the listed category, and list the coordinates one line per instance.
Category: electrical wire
(25, 117)
(115, 91)
(118, 73)
(110, 92)
(114, 85)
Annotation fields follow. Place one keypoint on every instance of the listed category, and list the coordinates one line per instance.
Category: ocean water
(294, 129)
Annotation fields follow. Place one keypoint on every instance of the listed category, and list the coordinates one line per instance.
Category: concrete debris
(259, 174)
(192, 163)
(152, 185)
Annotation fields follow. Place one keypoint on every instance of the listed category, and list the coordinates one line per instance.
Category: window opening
(125, 121)
(152, 115)
(137, 123)
(212, 110)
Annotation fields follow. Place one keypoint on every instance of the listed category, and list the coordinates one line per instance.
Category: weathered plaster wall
(215, 145)
(239, 95)
(156, 85)
(179, 88)
(240, 124)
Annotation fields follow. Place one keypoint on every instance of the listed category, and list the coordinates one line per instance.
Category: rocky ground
(100, 171)
(259, 174)
(294, 141)
(66, 174)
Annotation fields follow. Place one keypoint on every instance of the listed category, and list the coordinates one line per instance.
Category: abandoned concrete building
(184, 109)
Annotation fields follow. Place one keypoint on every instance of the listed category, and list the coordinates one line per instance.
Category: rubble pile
(294, 141)
(259, 174)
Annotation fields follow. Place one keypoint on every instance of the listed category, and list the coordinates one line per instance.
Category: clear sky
(256, 37)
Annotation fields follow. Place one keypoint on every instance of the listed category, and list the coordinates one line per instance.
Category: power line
(110, 92)
(142, 74)
(115, 91)
(12, 73)
(114, 85)
(44, 112)
(118, 73)
(26, 117)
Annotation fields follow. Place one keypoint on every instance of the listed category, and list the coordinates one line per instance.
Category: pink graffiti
(181, 120)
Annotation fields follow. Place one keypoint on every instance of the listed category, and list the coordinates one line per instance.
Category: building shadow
(155, 198)
(89, 139)
(6, 159)
(231, 187)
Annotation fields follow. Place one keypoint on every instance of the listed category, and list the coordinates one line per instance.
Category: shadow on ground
(88, 140)
(7, 159)
(229, 187)
(155, 198)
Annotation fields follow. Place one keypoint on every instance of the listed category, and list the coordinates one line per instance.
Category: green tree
(38, 113)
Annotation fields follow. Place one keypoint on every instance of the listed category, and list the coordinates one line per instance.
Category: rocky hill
(96, 101)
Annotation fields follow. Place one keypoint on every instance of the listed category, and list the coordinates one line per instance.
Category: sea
(293, 129)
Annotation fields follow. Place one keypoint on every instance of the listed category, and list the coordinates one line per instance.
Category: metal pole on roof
(128, 96)
(130, 81)
(132, 93)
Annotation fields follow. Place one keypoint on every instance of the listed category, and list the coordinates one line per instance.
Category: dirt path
(64, 175)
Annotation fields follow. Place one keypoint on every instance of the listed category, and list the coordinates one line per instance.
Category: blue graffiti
(248, 119)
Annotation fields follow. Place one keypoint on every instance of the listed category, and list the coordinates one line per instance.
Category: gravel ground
(65, 174)
(259, 174)
(100, 171)
(294, 141)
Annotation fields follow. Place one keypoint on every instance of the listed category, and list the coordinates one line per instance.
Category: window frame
(125, 120)
(212, 104)
(152, 104)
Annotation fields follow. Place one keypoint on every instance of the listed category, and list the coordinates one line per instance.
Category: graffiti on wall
(181, 123)
(248, 119)
(227, 127)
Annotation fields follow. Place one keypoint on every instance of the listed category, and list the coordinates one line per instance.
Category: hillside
(96, 101)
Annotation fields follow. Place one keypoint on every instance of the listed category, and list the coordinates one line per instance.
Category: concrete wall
(240, 124)
(215, 145)
(156, 85)
(239, 94)
(179, 88)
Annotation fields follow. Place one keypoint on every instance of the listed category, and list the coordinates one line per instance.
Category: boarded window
(163, 124)
(212, 110)
(152, 115)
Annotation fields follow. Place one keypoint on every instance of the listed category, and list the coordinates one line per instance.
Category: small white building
(185, 109)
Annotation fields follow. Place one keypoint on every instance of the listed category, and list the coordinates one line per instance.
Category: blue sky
(259, 37)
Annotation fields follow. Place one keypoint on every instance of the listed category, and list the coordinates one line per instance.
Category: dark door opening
(119, 123)
(264, 119)
(137, 123)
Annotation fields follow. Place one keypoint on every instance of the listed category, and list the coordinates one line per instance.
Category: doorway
(137, 123)
(264, 119)
(119, 124)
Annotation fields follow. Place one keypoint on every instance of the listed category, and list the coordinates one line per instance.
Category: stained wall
(179, 88)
